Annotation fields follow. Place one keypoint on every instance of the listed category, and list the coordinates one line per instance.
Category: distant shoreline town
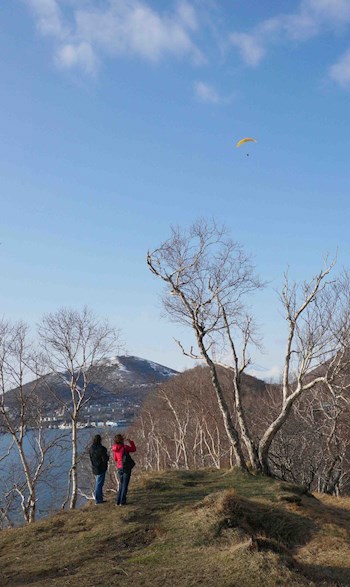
(53, 423)
(96, 414)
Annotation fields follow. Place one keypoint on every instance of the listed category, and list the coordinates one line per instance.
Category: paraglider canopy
(246, 140)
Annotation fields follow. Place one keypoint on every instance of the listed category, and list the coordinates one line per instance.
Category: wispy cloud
(48, 17)
(84, 32)
(207, 93)
(80, 55)
(116, 27)
(272, 374)
(340, 71)
(312, 18)
(250, 46)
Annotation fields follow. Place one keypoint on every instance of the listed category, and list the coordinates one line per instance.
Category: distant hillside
(212, 528)
(186, 408)
(118, 387)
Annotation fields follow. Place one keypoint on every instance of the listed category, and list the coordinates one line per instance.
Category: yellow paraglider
(247, 140)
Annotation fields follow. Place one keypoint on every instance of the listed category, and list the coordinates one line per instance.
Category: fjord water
(52, 487)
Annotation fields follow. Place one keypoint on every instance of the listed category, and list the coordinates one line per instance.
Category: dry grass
(204, 528)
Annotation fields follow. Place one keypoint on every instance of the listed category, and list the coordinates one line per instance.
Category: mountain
(117, 388)
(127, 371)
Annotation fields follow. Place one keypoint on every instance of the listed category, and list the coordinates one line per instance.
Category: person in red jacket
(124, 465)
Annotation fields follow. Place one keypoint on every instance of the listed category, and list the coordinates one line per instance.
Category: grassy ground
(208, 528)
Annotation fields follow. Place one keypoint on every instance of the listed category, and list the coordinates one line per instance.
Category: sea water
(53, 484)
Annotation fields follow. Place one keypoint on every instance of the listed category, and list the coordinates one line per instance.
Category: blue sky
(120, 118)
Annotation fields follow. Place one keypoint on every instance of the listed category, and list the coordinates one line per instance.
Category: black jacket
(99, 458)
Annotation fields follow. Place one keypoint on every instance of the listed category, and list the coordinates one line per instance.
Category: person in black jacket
(99, 461)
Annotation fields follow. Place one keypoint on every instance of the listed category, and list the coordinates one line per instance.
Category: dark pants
(100, 479)
(124, 479)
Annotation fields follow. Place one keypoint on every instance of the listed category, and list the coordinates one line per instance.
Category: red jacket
(118, 450)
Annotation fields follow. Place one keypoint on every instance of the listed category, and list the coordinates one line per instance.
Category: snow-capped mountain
(117, 389)
(133, 370)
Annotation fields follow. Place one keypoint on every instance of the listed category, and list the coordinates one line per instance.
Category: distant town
(119, 413)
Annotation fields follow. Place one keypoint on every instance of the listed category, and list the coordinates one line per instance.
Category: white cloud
(188, 15)
(48, 17)
(250, 47)
(206, 93)
(334, 12)
(312, 18)
(272, 374)
(340, 72)
(131, 27)
(79, 55)
(116, 27)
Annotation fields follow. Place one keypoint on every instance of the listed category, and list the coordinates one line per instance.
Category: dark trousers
(124, 479)
(100, 479)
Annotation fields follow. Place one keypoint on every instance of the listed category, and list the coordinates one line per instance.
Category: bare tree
(180, 425)
(313, 446)
(207, 277)
(312, 341)
(21, 411)
(72, 343)
(316, 356)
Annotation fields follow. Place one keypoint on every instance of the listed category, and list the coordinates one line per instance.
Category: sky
(119, 118)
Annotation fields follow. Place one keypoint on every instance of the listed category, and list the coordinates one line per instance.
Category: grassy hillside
(209, 528)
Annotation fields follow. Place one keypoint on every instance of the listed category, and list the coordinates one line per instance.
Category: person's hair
(97, 439)
(119, 439)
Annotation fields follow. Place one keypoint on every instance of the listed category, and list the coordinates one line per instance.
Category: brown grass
(208, 528)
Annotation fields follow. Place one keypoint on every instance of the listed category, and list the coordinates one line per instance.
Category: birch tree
(21, 410)
(72, 343)
(313, 446)
(207, 278)
(312, 342)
